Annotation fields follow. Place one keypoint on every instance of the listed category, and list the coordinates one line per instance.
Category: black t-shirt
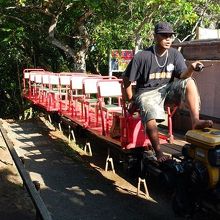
(151, 72)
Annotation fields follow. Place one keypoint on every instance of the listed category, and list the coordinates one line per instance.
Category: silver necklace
(155, 55)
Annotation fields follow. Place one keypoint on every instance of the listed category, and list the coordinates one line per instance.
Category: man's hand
(197, 66)
(132, 108)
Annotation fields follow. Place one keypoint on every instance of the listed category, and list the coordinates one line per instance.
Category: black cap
(163, 28)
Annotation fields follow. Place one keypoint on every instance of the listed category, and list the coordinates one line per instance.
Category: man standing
(160, 73)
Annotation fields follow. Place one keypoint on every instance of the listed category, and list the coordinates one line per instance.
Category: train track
(32, 187)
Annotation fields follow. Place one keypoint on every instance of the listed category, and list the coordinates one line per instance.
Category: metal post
(87, 149)
(142, 181)
(109, 160)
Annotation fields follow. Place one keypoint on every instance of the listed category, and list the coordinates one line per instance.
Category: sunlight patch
(76, 190)
(96, 192)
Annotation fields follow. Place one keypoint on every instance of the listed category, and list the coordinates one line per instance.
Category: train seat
(26, 80)
(35, 85)
(53, 92)
(64, 90)
(76, 93)
(109, 99)
(89, 101)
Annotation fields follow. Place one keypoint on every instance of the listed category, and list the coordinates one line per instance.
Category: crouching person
(161, 73)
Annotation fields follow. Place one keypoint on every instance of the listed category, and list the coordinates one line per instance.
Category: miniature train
(97, 103)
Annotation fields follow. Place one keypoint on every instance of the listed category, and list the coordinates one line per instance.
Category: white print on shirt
(162, 75)
(170, 67)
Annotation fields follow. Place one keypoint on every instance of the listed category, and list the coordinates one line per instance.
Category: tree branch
(21, 21)
(56, 42)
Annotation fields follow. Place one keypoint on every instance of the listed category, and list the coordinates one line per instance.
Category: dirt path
(73, 185)
(15, 202)
(70, 187)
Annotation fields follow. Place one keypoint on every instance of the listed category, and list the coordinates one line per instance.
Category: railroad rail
(41, 209)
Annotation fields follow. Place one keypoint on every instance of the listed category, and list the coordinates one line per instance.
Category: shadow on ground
(73, 189)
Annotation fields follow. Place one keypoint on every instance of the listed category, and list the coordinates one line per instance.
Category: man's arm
(188, 73)
(128, 88)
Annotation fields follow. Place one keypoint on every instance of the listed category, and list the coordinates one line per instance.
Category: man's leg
(192, 101)
(152, 132)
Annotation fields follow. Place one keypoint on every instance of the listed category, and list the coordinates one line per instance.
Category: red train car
(92, 101)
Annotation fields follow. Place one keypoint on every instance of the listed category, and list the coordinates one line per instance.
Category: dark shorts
(151, 103)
